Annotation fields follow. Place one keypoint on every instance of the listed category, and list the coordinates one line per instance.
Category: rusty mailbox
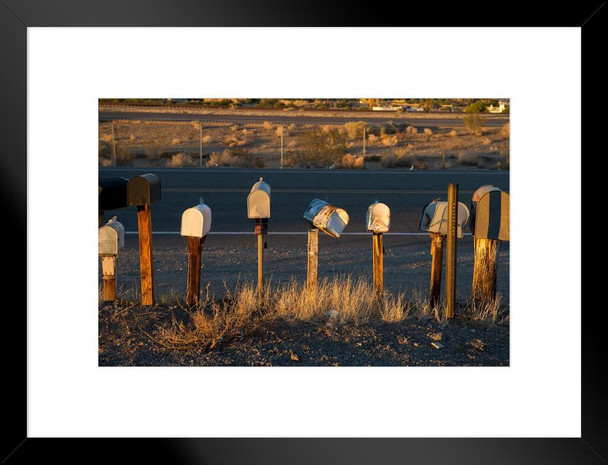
(196, 221)
(258, 200)
(378, 218)
(490, 213)
(143, 189)
(435, 218)
(111, 237)
(329, 219)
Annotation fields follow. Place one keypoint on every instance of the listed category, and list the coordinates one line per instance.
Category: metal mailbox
(490, 213)
(143, 189)
(435, 218)
(329, 219)
(258, 200)
(196, 221)
(112, 193)
(111, 237)
(378, 218)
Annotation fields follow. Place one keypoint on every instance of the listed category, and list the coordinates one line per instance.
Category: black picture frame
(17, 15)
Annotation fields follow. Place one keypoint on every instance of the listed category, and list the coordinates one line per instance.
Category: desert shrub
(359, 163)
(411, 130)
(175, 141)
(420, 165)
(105, 149)
(266, 125)
(351, 162)
(319, 148)
(181, 159)
(505, 130)
(373, 157)
(468, 158)
(389, 141)
(354, 129)
(476, 107)
(453, 133)
(396, 160)
(221, 159)
(428, 131)
(372, 138)
(388, 128)
(474, 123)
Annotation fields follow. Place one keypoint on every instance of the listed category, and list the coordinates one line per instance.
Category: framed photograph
(312, 245)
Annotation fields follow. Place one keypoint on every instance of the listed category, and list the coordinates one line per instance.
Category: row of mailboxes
(118, 192)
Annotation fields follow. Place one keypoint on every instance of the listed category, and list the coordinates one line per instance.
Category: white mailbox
(435, 218)
(378, 218)
(196, 221)
(111, 237)
(258, 200)
(329, 219)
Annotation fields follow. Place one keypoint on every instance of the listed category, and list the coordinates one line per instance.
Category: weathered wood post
(450, 288)
(329, 219)
(142, 191)
(378, 221)
(435, 220)
(258, 208)
(437, 242)
(312, 268)
(490, 226)
(196, 224)
(111, 238)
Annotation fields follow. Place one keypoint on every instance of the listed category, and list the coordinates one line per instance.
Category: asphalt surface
(430, 122)
(225, 191)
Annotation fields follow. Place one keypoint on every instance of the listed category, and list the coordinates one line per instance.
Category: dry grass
(337, 301)
(181, 159)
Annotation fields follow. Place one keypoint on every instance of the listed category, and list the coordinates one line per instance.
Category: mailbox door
(258, 204)
(492, 216)
(143, 190)
(112, 193)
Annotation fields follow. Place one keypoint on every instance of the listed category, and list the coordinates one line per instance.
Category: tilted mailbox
(196, 224)
(378, 218)
(142, 191)
(435, 218)
(378, 221)
(112, 195)
(329, 219)
(258, 208)
(490, 225)
(490, 213)
(111, 238)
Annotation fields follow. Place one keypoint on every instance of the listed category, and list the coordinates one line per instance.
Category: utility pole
(113, 144)
(281, 146)
(363, 141)
(200, 138)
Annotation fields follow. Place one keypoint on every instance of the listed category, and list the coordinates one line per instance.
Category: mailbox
(258, 200)
(435, 218)
(196, 221)
(143, 189)
(378, 218)
(112, 193)
(329, 219)
(111, 237)
(490, 213)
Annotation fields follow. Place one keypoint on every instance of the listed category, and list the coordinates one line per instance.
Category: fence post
(378, 263)
(313, 259)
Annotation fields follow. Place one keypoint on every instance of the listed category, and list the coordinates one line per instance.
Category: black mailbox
(112, 193)
(143, 189)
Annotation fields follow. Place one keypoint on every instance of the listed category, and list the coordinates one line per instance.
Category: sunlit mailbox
(143, 189)
(378, 218)
(196, 221)
(329, 219)
(435, 218)
(112, 193)
(258, 200)
(111, 237)
(490, 213)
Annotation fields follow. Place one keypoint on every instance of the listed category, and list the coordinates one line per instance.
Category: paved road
(430, 122)
(225, 191)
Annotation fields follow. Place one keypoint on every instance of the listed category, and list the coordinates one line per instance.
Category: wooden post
(281, 146)
(313, 260)
(378, 263)
(108, 268)
(100, 222)
(437, 241)
(200, 143)
(363, 141)
(193, 284)
(144, 226)
(260, 267)
(484, 270)
(450, 288)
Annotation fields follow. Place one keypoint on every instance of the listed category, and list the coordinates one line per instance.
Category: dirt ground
(127, 331)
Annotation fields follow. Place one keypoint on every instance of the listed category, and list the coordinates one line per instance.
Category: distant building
(499, 109)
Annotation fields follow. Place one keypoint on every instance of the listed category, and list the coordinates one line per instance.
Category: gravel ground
(126, 335)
